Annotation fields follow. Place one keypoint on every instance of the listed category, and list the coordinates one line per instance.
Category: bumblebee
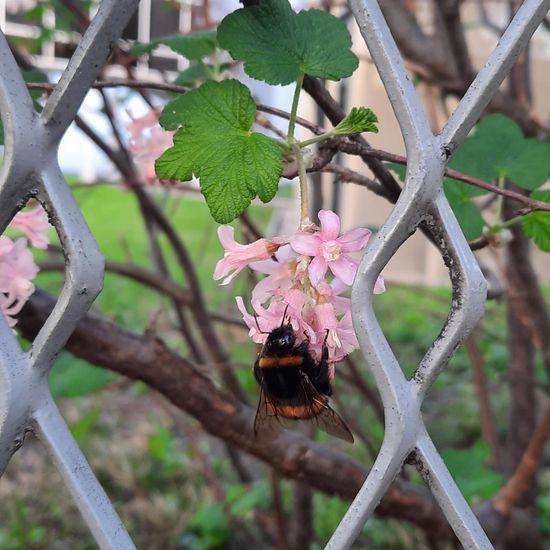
(294, 386)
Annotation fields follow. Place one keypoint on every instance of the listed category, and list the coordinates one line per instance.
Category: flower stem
(500, 200)
(511, 222)
(316, 139)
(305, 222)
(293, 111)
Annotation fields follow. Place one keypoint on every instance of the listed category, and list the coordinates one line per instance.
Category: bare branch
(521, 480)
(152, 280)
(148, 359)
(488, 429)
(485, 20)
(348, 146)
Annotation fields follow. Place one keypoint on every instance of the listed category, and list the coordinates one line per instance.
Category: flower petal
(224, 267)
(265, 266)
(380, 286)
(317, 269)
(344, 268)
(34, 224)
(306, 243)
(330, 225)
(225, 234)
(268, 287)
(325, 317)
(354, 240)
(295, 300)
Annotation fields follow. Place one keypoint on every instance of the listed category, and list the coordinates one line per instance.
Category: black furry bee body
(294, 386)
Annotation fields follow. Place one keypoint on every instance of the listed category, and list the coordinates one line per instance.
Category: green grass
(113, 216)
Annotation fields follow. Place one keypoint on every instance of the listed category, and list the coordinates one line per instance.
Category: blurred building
(418, 261)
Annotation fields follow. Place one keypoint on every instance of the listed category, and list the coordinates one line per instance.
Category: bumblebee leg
(321, 378)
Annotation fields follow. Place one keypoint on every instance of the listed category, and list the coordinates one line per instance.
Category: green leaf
(72, 377)
(194, 46)
(160, 443)
(199, 72)
(532, 164)
(468, 467)
(277, 45)
(458, 194)
(83, 427)
(241, 503)
(536, 225)
(210, 521)
(360, 119)
(466, 212)
(399, 169)
(498, 149)
(215, 144)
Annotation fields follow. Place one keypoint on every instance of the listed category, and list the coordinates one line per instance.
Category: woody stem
(302, 176)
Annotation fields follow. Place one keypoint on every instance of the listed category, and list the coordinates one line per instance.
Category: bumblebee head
(281, 339)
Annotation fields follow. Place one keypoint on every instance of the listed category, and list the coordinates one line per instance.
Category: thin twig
(347, 175)
(175, 88)
(281, 520)
(152, 280)
(341, 144)
(354, 148)
(520, 482)
(488, 429)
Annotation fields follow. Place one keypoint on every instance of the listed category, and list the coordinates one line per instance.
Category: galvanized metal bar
(92, 51)
(31, 169)
(424, 174)
(14, 398)
(469, 293)
(89, 496)
(498, 65)
(18, 116)
(405, 431)
(450, 499)
(84, 273)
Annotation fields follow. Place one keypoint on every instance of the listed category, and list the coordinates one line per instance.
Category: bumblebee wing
(324, 416)
(268, 423)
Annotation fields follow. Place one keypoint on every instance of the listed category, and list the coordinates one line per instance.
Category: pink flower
(17, 269)
(237, 256)
(280, 275)
(379, 286)
(295, 289)
(264, 321)
(34, 224)
(147, 142)
(329, 250)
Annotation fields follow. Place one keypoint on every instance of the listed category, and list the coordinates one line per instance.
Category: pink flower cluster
(17, 266)
(147, 142)
(306, 275)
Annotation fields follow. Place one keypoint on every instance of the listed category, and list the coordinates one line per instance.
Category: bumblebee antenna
(259, 329)
(284, 315)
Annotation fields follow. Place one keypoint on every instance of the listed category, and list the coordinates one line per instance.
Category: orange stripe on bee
(286, 361)
(298, 411)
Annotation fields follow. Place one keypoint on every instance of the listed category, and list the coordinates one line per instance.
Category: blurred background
(177, 485)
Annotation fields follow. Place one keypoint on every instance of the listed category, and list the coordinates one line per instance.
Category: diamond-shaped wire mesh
(30, 170)
(423, 201)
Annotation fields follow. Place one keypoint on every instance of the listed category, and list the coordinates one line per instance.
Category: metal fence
(31, 170)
